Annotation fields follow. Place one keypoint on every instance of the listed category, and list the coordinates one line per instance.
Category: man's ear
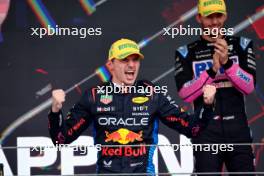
(109, 65)
(198, 18)
(225, 16)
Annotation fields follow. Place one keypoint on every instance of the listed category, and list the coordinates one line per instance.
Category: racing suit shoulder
(245, 42)
(148, 86)
(241, 41)
(182, 66)
(145, 82)
(93, 91)
(184, 50)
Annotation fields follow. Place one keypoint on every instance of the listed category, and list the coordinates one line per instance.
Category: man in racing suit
(125, 118)
(228, 63)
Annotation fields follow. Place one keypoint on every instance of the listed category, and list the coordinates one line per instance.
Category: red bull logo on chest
(123, 136)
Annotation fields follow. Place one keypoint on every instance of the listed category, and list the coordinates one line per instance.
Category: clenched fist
(58, 97)
(209, 94)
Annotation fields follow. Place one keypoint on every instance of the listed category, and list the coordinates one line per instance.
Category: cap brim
(141, 56)
(215, 11)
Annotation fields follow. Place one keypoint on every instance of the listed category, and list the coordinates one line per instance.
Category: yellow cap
(208, 7)
(123, 48)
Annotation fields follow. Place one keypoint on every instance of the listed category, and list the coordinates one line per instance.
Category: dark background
(28, 63)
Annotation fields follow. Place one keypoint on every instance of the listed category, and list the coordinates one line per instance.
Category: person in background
(227, 62)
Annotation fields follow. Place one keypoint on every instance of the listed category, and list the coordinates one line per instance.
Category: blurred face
(124, 71)
(215, 20)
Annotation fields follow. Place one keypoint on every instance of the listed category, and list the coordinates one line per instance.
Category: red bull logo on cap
(123, 136)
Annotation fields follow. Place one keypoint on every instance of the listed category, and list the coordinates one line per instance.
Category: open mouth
(130, 74)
